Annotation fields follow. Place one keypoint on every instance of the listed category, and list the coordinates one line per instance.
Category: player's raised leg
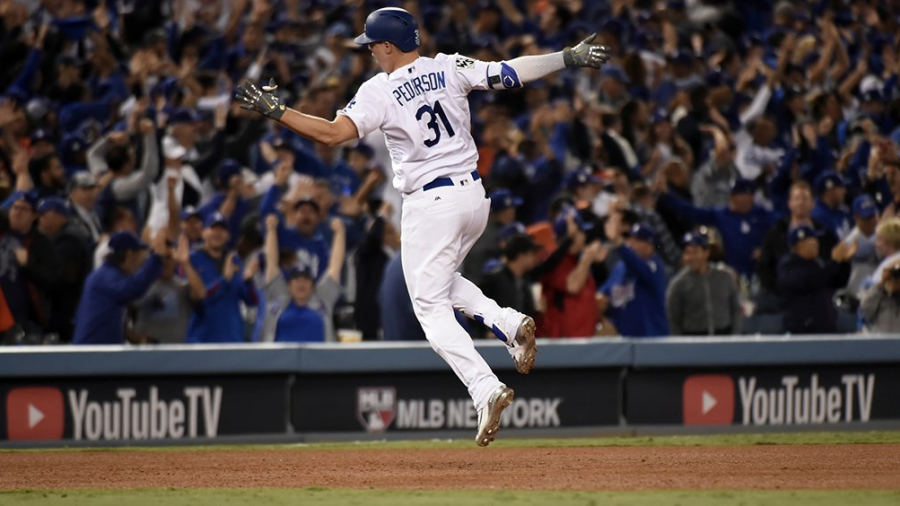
(515, 329)
(431, 245)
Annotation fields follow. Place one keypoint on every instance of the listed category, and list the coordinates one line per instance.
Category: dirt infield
(609, 468)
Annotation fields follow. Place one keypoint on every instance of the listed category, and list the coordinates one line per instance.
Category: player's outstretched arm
(265, 102)
(524, 69)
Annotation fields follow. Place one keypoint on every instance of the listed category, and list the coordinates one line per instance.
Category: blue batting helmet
(391, 24)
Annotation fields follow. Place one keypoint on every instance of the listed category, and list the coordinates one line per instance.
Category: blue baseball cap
(750, 40)
(165, 87)
(503, 199)
(125, 241)
(76, 27)
(296, 271)
(864, 206)
(29, 198)
(872, 95)
(41, 134)
(183, 115)
(214, 219)
(643, 232)
(190, 212)
(339, 29)
(55, 204)
(615, 72)
(742, 186)
(513, 229)
(581, 177)
(800, 233)
(561, 226)
(828, 180)
(659, 116)
(364, 149)
(72, 145)
(695, 239)
(644, 17)
(682, 57)
(227, 169)
(613, 26)
(643, 38)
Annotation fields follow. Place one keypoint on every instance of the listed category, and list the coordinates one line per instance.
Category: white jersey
(423, 110)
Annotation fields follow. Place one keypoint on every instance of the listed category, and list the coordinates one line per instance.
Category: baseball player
(421, 106)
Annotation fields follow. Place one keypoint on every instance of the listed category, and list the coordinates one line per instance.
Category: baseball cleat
(489, 416)
(526, 347)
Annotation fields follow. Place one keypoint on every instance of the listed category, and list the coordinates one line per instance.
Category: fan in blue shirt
(298, 322)
(830, 210)
(743, 224)
(229, 201)
(217, 317)
(636, 288)
(124, 277)
(303, 238)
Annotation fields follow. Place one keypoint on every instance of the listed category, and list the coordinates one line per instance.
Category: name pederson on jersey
(423, 110)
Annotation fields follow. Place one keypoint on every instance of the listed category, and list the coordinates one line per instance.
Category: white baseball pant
(439, 226)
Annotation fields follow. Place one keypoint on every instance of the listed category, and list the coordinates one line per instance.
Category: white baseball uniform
(423, 110)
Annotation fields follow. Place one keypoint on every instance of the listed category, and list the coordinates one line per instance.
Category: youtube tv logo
(35, 414)
(708, 399)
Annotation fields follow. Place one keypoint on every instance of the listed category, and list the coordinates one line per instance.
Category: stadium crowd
(734, 169)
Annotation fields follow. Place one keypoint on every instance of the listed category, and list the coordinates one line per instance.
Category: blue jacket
(217, 318)
(741, 233)
(838, 220)
(636, 289)
(312, 252)
(100, 318)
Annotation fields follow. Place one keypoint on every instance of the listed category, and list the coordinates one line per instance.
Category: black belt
(447, 181)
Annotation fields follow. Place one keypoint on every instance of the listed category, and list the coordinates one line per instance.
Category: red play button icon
(35, 414)
(708, 399)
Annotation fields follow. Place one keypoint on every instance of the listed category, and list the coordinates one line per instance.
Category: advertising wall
(132, 395)
(763, 396)
(438, 401)
(136, 409)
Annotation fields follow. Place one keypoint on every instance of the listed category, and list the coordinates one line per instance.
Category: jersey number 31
(433, 114)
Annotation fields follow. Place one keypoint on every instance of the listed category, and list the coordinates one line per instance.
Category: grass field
(374, 496)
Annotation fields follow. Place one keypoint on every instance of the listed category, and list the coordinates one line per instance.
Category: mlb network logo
(35, 414)
(375, 407)
(708, 399)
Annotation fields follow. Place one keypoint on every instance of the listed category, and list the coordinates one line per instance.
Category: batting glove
(263, 101)
(586, 54)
